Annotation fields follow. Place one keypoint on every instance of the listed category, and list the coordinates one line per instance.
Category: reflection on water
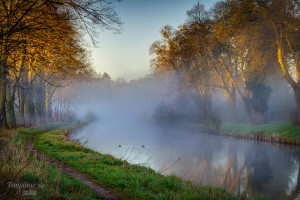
(237, 166)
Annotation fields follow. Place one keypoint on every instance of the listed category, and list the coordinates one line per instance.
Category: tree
(237, 24)
(274, 26)
(166, 51)
(38, 42)
(215, 49)
(283, 17)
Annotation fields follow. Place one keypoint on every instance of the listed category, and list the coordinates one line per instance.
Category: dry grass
(19, 167)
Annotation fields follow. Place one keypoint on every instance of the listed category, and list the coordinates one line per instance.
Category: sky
(126, 55)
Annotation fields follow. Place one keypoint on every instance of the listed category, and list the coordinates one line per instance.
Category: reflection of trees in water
(254, 170)
(204, 167)
(232, 175)
(227, 175)
(262, 171)
(274, 173)
(295, 192)
(267, 172)
(238, 168)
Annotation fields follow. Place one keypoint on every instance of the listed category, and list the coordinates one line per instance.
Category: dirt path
(99, 190)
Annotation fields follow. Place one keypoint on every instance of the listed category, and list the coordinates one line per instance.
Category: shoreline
(127, 181)
(260, 136)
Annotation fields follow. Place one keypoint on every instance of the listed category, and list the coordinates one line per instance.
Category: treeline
(42, 49)
(234, 47)
(76, 101)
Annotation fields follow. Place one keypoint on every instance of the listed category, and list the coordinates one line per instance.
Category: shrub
(165, 115)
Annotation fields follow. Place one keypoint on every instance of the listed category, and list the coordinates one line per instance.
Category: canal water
(236, 165)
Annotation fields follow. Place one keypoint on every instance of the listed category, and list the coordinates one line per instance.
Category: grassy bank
(125, 180)
(284, 132)
(25, 176)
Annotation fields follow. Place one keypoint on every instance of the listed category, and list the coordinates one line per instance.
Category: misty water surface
(126, 130)
(205, 159)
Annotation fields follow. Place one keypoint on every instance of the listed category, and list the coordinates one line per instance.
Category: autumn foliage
(41, 49)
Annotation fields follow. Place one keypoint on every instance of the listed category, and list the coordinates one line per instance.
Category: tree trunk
(231, 103)
(22, 97)
(40, 103)
(286, 74)
(248, 109)
(295, 192)
(27, 112)
(30, 118)
(23, 80)
(10, 107)
(3, 82)
(48, 105)
(297, 97)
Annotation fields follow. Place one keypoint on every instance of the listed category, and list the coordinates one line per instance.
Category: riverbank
(23, 175)
(274, 132)
(123, 179)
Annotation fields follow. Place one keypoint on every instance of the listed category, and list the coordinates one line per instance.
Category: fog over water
(125, 129)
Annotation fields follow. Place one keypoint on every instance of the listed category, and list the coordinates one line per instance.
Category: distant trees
(233, 47)
(40, 51)
(165, 115)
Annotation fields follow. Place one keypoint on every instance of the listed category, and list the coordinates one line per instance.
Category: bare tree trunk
(22, 93)
(248, 109)
(231, 103)
(297, 97)
(40, 102)
(3, 82)
(30, 118)
(286, 74)
(27, 112)
(10, 106)
(48, 104)
(295, 192)
(22, 97)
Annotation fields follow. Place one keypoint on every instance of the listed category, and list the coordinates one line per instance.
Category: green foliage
(296, 122)
(260, 91)
(165, 115)
(213, 122)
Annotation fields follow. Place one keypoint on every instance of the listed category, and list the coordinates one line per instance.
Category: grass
(277, 129)
(37, 177)
(281, 129)
(24, 134)
(125, 180)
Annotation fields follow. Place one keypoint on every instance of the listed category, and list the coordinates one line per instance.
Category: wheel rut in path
(96, 188)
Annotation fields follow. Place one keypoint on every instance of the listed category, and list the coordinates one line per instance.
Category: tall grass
(24, 176)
